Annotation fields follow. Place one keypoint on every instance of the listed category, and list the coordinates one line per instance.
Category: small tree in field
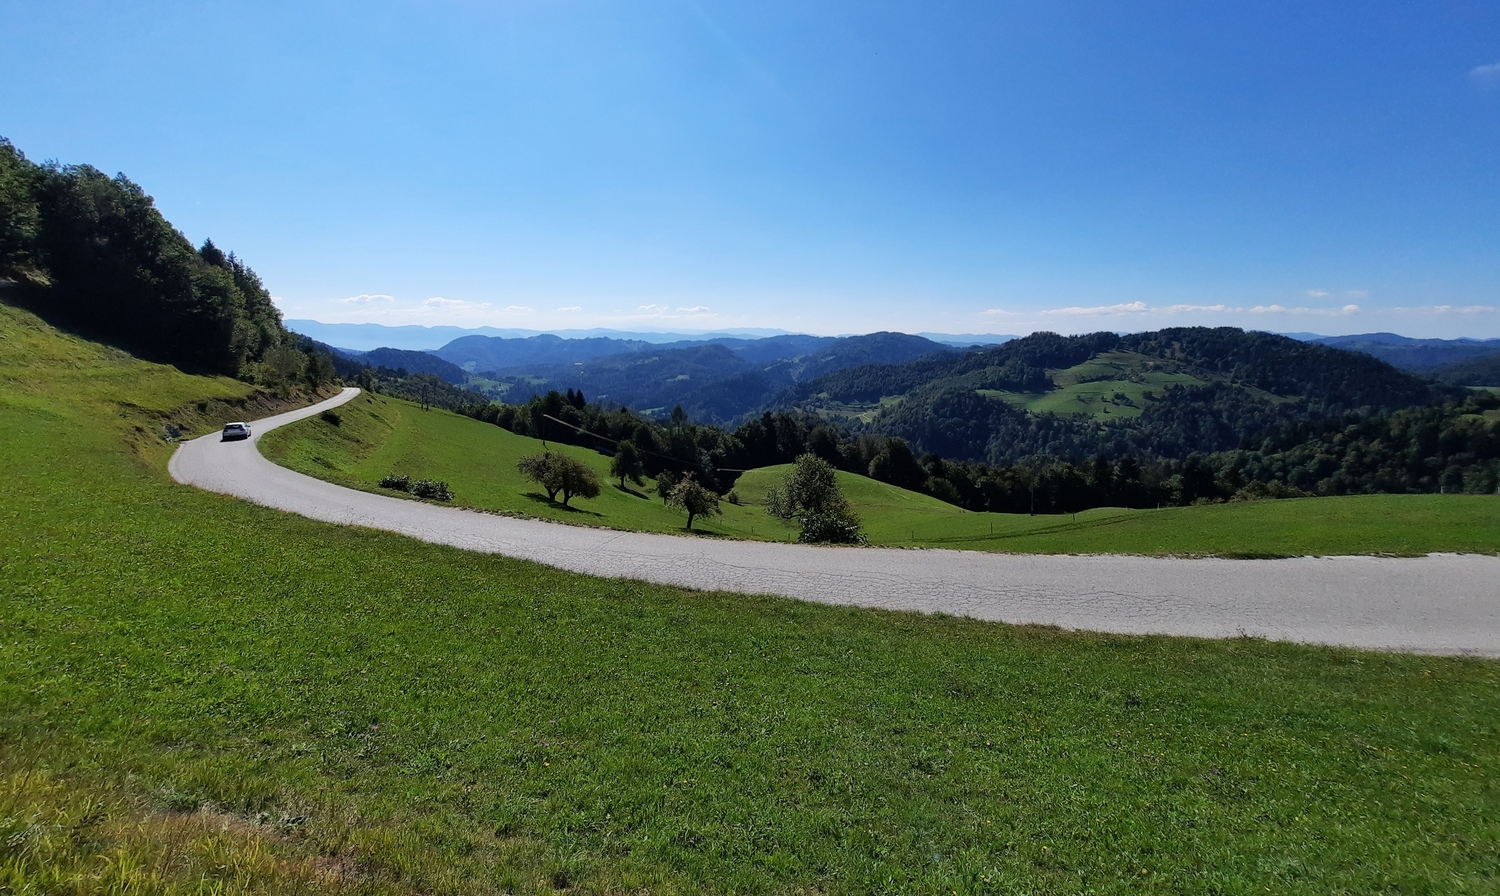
(666, 480)
(693, 499)
(810, 492)
(627, 464)
(558, 473)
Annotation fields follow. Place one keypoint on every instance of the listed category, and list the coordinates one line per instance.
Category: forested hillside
(1481, 371)
(93, 253)
(1160, 394)
(719, 381)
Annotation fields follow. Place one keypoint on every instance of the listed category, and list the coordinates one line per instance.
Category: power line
(616, 443)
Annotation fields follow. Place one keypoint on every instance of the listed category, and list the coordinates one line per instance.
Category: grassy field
(377, 435)
(1109, 385)
(203, 696)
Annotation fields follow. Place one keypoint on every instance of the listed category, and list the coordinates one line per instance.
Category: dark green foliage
(898, 466)
(826, 528)
(666, 480)
(426, 389)
(401, 363)
(810, 493)
(693, 499)
(332, 418)
(432, 489)
(558, 473)
(627, 464)
(398, 483)
(95, 254)
(944, 412)
(1481, 371)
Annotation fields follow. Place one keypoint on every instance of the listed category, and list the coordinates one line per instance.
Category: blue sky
(831, 168)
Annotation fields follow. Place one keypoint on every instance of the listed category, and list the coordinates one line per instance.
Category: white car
(235, 431)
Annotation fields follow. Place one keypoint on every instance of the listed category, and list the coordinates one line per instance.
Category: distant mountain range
(926, 389)
(715, 381)
(1419, 355)
(367, 337)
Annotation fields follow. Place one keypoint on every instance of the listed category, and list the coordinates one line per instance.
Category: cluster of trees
(93, 253)
(1451, 446)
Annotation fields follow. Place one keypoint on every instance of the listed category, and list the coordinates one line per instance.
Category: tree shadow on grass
(632, 492)
(703, 532)
(555, 505)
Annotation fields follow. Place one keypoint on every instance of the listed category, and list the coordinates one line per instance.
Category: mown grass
(423, 720)
(379, 435)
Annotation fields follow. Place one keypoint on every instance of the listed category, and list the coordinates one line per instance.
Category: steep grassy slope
(359, 712)
(378, 435)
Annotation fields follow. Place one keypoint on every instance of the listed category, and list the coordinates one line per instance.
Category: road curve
(1435, 604)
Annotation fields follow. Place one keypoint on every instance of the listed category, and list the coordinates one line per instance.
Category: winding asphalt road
(1433, 604)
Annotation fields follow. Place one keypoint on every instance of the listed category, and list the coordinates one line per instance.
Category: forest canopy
(93, 253)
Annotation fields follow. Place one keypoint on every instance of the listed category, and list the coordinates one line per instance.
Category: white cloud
(1319, 312)
(368, 299)
(570, 308)
(440, 302)
(1000, 312)
(1101, 310)
(653, 309)
(1197, 309)
(696, 309)
(1486, 75)
(517, 309)
(1448, 309)
(1317, 293)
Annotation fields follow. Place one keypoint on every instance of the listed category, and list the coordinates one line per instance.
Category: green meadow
(199, 695)
(377, 435)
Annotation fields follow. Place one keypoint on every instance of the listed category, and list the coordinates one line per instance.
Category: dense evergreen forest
(93, 253)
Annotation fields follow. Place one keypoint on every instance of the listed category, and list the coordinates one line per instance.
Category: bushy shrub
(810, 493)
(431, 489)
(826, 528)
(398, 483)
(332, 418)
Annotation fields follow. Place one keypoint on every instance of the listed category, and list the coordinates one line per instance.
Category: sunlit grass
(379, 435)
(234, 699)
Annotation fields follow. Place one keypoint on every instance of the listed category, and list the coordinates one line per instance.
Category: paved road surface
(1438, 604)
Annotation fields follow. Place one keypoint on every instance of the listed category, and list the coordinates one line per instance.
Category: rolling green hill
(198, 695)
(1163, 394)
(378, 435)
